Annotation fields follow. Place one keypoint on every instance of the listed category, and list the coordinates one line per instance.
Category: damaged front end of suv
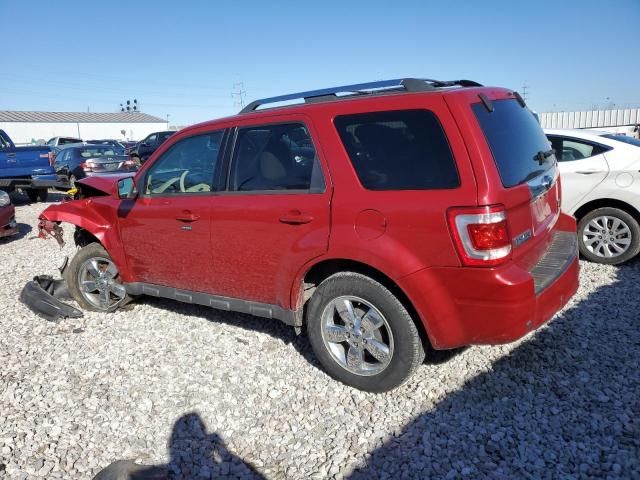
(93, 282)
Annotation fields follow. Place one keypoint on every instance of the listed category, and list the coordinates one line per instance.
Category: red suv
(385, 217)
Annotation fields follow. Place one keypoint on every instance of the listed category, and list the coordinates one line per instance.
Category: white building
(34, 127)
(624, 120)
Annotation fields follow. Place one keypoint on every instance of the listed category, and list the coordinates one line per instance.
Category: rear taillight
(481, 234)
(87, 167)
(130, 164)
(52, 158)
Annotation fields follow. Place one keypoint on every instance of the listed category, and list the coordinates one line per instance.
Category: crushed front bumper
(43, 297)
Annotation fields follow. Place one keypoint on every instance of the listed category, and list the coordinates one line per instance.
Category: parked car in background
(601, 188)
(150, 144)
(59, 141)
(77, 161)
(388, 218)
(8, 225)
(28, 168)
(117, 146)
(129, 145)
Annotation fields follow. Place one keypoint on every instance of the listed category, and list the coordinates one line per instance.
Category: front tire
(94, 281)
(362, 334)
(608, 235)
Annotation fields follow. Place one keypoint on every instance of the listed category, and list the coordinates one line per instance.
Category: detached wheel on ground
(362, 334)
(37, 195)
(608, 235)
(94, 281)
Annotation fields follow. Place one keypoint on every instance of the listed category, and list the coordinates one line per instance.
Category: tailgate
(25, 162)
(527, 171)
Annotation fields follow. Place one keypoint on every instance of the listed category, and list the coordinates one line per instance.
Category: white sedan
(601, 187)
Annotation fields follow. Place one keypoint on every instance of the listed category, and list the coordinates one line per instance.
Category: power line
(525, 87)
(239, 93)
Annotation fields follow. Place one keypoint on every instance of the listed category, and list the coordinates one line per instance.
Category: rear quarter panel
(414, 224)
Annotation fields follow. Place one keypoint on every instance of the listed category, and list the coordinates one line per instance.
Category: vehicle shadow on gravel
(272, 327)
(194, 453)
(23, 231)
(563, 404)
(19, 199)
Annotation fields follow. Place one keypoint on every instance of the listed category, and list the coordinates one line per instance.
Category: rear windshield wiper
(542, 156)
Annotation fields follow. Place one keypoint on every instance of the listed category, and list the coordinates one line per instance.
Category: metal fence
(591, 118)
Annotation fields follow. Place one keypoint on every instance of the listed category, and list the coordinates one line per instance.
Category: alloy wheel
(357, 335)
(607, 236)
(99, 283)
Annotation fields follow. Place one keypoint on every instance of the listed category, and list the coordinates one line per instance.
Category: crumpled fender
(95, 217)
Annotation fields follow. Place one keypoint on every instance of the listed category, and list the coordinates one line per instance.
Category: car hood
(104, 183)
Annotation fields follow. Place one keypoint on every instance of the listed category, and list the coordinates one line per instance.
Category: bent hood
(104, 183)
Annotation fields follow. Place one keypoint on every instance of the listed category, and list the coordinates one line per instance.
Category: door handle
(187, 217)
(588, 172)
(295, 217)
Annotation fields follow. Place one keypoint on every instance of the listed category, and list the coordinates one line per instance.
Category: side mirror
(127, 188)
(144, 144)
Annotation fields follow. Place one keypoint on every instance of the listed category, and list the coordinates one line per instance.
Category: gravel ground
(208, 394)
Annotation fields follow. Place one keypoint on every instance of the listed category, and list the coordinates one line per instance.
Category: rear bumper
(465, 306)
(36, 181)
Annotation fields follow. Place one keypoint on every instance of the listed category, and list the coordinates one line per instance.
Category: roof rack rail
(399, 84)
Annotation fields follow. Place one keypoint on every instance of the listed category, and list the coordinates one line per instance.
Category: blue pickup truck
(28, 168)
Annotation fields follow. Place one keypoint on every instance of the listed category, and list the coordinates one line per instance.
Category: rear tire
(608, 235)
(362, 334)
(94, 280)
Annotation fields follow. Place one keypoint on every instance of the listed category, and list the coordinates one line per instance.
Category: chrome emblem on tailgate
(523, 237)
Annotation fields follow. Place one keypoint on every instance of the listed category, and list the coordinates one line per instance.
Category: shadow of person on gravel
(194, 454)
(563, 404)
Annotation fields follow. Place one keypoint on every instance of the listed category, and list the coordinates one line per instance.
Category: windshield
(623, 138)
(518, 144)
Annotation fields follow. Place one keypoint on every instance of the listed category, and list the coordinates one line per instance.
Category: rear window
(516, 139)
(97, 152)
(66, 141)
(398, 150)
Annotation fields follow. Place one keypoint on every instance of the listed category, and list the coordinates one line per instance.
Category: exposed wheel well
(323, 270)
(83, 237)
(606, 202)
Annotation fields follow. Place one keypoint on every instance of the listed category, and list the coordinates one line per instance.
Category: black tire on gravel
(408, 352)
(612, 214)
(37, 194)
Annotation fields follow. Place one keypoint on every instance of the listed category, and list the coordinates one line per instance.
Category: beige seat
(271, 167)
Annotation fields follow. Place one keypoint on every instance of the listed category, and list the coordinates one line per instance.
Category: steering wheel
(182, 177)
(165, 185)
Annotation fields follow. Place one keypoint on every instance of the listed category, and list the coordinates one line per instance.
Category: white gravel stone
(210, 394)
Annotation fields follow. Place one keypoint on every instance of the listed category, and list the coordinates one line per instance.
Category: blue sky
(183, 58)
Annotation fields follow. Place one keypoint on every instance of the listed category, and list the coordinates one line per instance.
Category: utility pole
(238, 93)
(525, 87)
(167, 121)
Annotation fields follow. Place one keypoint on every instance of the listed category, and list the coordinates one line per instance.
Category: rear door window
(398, 150)
(275, 157)
(516, 141)
(569, 149)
